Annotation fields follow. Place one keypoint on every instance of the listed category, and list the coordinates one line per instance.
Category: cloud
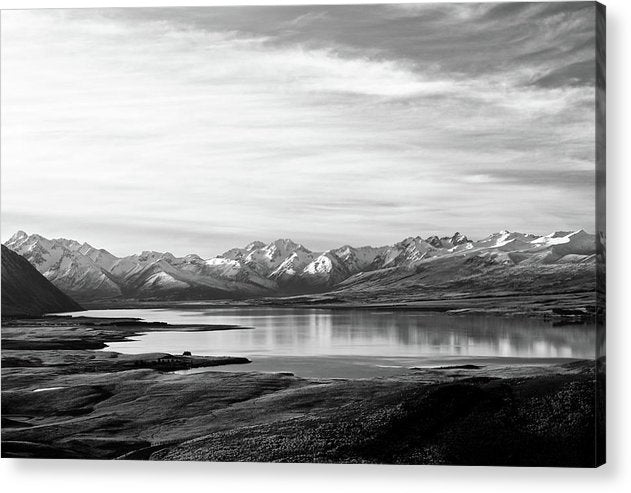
(330, 125)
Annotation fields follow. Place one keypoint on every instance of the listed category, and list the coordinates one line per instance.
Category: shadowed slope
(27, 292)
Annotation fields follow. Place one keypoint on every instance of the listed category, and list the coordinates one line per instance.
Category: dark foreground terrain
(61, 398)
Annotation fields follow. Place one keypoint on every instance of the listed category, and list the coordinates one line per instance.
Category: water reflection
(318, 332)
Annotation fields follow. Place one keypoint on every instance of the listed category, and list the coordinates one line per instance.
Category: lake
(355, 342)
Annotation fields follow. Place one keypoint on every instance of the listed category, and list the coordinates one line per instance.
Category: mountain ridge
(284, 267)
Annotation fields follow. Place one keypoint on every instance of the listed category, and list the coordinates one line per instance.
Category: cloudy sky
(200, 129)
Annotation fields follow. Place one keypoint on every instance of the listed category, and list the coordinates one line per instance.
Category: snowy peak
(326, 270)
(224, 267)
(555, 235)
(281, 248)
(292, 265)
(18, 237)
(560, 237)
(265, 260)
(254, 245)
(322, 265)
(458, 238)
(447, 241)
(563, 243)
(359, 259)
(240, 253)
(510, 240)
(21, 240)
(282, 266)
(62, 262)
(408, 252)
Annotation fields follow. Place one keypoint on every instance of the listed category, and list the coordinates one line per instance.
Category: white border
(51, 476)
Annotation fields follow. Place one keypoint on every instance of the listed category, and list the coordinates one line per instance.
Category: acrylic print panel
(367, 233)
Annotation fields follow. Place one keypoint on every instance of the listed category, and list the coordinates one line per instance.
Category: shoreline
(563, 307)
(96, 331)
(335, 363)
(59, 401)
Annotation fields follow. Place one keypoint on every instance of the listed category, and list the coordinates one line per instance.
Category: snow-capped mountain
(326, 270)
(290, 269)
(506, 241)
(62, 263)
(361, 258)
(334, 266)
(285, 267)
(266, 259)
(409, 252)
(504, 263)
(87, 273)
(240, 253)
(447, 241)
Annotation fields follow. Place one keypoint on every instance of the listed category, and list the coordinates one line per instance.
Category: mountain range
(502, 262)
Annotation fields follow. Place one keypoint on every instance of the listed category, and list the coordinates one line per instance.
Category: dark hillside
(27, 292)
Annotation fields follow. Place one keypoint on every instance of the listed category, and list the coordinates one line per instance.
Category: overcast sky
(196, 130)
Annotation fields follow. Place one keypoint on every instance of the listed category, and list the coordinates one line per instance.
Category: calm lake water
(355, 342)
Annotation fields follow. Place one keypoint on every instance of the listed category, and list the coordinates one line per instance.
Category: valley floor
(562, 307)
(61, 398)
